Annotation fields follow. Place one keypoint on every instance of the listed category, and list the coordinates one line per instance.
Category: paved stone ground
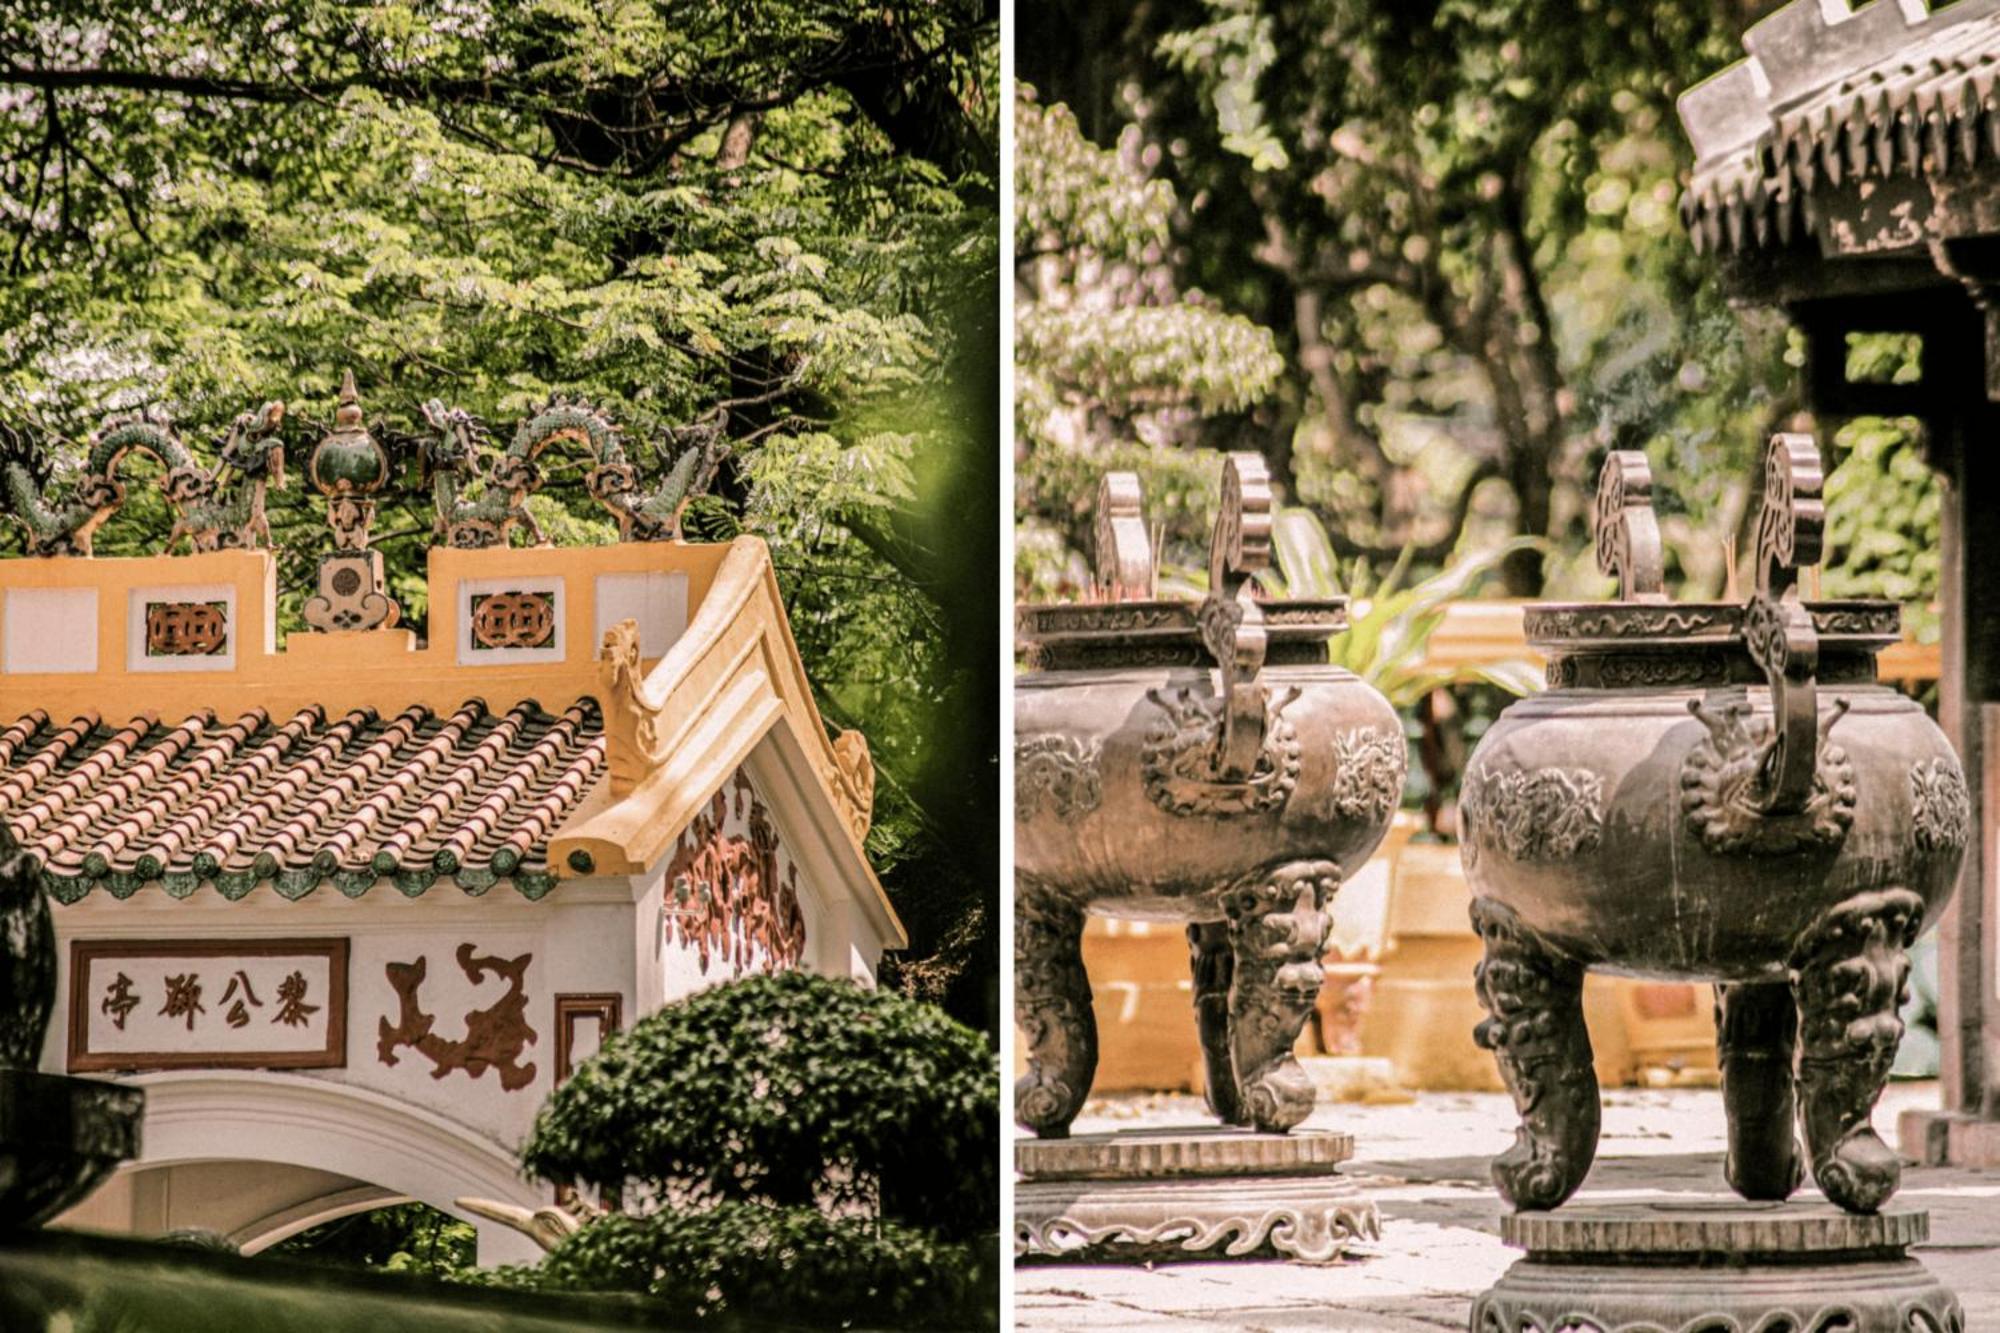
(1424, 1163)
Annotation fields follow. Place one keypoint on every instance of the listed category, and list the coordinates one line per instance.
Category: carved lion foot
(1277, 929)
(1534, 997)
(1852, 969)
(1757, 1025)
(1052, 1007)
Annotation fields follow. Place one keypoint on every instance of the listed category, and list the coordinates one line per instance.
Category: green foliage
(791, 1089)
(1883, 522)
(1457, 222)
(1115, 364)
(777, 218)
(1390, 622)
(795, 1266)
(402, 1238)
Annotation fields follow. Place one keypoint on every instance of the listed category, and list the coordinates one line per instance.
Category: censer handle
(1778, 629)
(1232, 623)
(1628, 536)
(1124, 553)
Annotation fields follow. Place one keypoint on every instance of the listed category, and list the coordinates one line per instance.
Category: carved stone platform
(1143, 1196)
(1716, 1266)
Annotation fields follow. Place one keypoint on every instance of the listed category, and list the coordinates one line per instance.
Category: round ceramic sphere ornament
(349, 461)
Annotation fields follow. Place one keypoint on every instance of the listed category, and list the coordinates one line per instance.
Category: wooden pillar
(1967, 1131)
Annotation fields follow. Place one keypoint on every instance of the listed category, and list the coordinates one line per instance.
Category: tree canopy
(1455, 224)
(770, 221)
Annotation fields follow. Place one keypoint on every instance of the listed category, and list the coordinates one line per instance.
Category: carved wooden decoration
(207, 1004)
(495, 1036)
(186, 629)
(734, 897)
(513, 620)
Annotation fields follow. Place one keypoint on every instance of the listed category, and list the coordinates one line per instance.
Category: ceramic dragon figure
(214, 510)
(228, 513)
(53, 526)
(458, 456)
(613, 482)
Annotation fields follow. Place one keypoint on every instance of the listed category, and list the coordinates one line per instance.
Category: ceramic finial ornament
(348, 466)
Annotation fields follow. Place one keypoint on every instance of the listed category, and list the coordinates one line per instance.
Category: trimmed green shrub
(791, 1089)
(787, 1265)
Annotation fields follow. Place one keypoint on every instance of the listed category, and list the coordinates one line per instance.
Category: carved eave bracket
(1974, 262)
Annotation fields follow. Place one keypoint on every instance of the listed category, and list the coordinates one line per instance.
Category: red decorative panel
(732, 891)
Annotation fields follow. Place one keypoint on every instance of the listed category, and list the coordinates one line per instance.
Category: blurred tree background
(776, 220)
(1426, 257)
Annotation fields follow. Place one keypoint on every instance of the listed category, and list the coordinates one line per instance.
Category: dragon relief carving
(1940, 807)
(1059, 772)
(494, 1037)
(1177, 761)
(851, 775)
(1368, 772)
(1722, 773)
(1542, 814)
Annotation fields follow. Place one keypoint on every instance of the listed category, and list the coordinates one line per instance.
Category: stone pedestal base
(1948, 1138)
(1716, 1265)
(1151, 1195)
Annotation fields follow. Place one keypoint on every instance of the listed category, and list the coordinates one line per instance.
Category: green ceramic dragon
(457, 456)
(211, 515)
(228, 514)
(614, 482)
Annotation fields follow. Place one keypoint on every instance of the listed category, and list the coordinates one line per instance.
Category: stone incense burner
(1711, 792)
(1195, 762)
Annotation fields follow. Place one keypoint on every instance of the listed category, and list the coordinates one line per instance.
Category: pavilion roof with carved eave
(1831, 96)
(566, 713)
(349, 799)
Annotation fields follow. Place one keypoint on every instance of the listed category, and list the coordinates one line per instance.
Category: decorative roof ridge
(1827, 94)
(478, 492)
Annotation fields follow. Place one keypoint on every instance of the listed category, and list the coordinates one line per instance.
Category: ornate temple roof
(1829, 96)
(566, 713)
(471, 795)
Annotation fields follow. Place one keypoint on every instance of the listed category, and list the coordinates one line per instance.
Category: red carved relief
(725, 893)
(494, 1036)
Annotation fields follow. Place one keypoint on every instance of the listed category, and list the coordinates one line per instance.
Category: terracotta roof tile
(354, 800)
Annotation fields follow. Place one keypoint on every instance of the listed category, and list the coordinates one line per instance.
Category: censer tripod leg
(1212, 959)
(1757, 1036)
(1052, 1007)
(1853, 968)
(1537, 1035)
(1277, 928)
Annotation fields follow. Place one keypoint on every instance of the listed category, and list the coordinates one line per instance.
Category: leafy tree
(1115, 365)
(1457, 223)
(768, 224)
(802, 1148)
